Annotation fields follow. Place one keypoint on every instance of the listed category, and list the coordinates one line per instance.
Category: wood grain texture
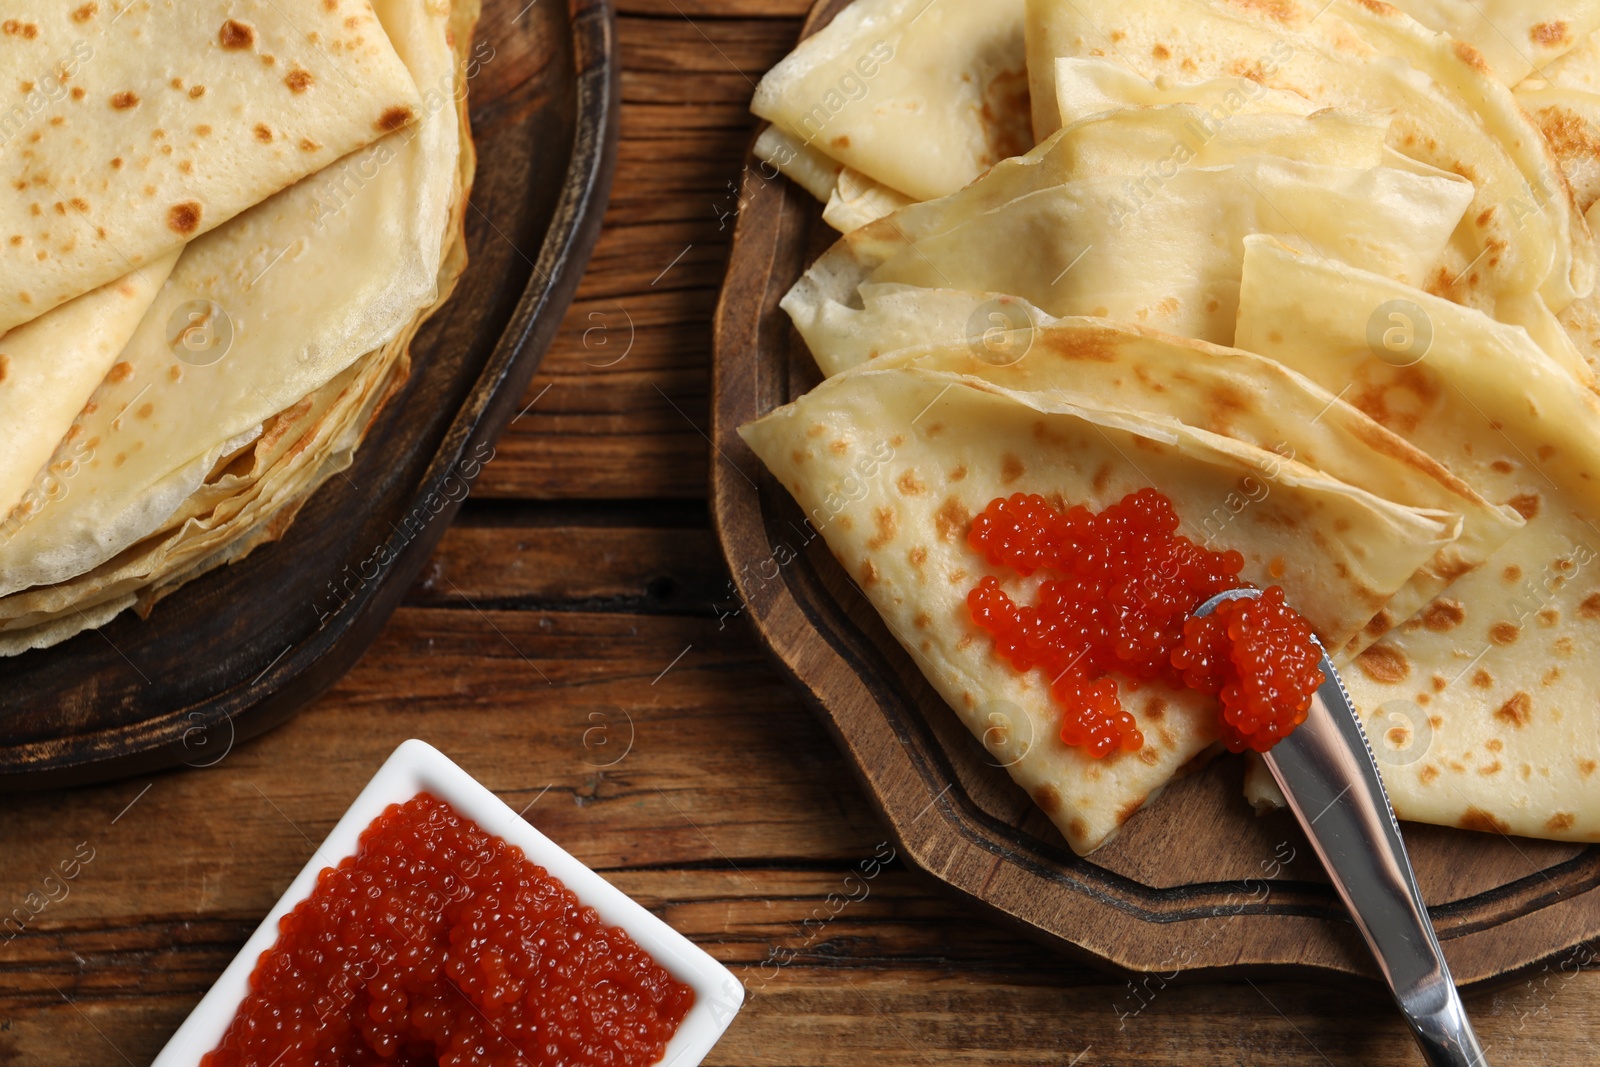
(576, 576)
(1152, 900)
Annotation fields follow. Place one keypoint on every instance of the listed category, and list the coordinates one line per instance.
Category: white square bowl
(417, 767)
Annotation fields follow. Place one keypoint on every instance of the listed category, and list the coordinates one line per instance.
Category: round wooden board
(1194, 885)
(241, 649)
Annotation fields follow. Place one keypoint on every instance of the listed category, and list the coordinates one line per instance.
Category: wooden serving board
(1196, 884)
(241, 649)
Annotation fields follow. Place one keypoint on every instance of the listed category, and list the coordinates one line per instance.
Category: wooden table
(571, 645)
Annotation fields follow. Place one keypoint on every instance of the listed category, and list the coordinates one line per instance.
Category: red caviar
(440, 943)
(1119, 600)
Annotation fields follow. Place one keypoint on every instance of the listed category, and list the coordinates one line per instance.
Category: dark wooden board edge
(307, 669)
(854, 676)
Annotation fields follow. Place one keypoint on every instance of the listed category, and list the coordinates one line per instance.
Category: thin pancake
(143, 126)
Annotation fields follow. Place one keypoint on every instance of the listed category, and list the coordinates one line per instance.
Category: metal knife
(1326, 769)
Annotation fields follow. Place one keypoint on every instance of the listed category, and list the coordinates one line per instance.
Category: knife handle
(1327, 771)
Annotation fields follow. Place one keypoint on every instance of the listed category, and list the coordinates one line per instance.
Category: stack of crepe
(1321, 272)
(211, 269)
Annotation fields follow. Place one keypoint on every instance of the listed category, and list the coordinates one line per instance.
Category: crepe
(919, 95)
(343, 264)
(144, 126)
(1516, 37)
(1139, 215)
(1523, 253)
(1493, 676)
(1246, 398)
(890, 465)
(50, 366)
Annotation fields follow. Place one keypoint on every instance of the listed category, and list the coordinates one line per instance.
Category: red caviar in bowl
(439, 943)
(1118, 594)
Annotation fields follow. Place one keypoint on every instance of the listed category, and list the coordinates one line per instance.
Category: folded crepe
(322, 286)
(1522, 253)
(1139, 215)
(117, 154)
(890, 465)
(1246, 398)
(1494, 675)
(920, 96)
(50, 366)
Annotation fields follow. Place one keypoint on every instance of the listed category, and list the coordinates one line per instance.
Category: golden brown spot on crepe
(1097, 345)
(1424, 698)
(1526, 505)
(922, 621)
(175, 372)
(1276, 567)
(1011, 469)
(1482, 679)
(263, 133)
(958, 474)
(952, 519)
(1443, 615)
(1384, 663)
(846, 522)
(918, 556)
(78, 92)
(308, 145)
(908, 485)
(1586, 767)
(236, 36)
(120, 372)
(1440, 683)
(1590, 608)
(58, 121)
(184, 218)
(1161, 51)
(1428, 774)
(1128, 811)
(1548, 34)
(1102, 477)
(839, 447)
(1048, 799)
(1378, 625)
(1550, 616)
(883, 518)
(85, 13)
(1564, 646)
(1502, 466)
(124, 100)
(1551, 676)
(1518, 711)
(1078, 828)
(186, 166)
(393, 119)
(1494, 744)
(1478, 819)
(965, 642)
(80, 203)
(26, 30)
(1279, 10)
(1505, 633)
(869, 573)
(298, 80)
(144, 411)
(1493, 768)
(1561, 820)
(1512, 573)
(196, 92)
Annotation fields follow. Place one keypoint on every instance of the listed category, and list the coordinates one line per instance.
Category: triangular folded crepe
(1139, 215)
(309, 281)
(920, 95)
(1523, 252)
(1496, 676)
(144, 126)
(50, 366)
(1247, 398)
(890, 465)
